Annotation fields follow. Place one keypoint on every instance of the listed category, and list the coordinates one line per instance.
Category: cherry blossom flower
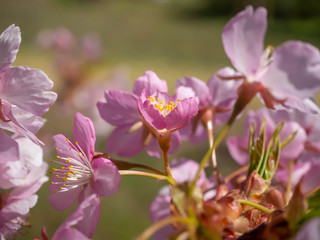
(84, 218)
(23, 90)
(81, 174)
(284, 77)
(121, 110)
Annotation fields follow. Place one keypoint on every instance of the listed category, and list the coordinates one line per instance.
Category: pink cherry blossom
(121, 110)
(22, 89)
(285, 77)
(81, 173)
(85, 218)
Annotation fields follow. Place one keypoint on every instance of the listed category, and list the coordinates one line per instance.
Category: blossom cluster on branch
(273, 195)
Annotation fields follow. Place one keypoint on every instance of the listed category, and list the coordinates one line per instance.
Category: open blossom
(81, 174)
(215, 102)
(121, 110)
(285, 77)
(23, 90)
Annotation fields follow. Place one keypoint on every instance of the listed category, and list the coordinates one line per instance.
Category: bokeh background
(174, 38)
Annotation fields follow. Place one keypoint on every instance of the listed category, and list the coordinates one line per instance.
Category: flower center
(163, 108)
(75, 171)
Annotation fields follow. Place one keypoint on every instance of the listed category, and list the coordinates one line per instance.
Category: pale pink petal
(106, 177)
(295, 70)
(199, 87)
(126, 144)
(311, 179)
(64, 149)
(151, 82)
(84, 134)
(238, 148)
(69, 233)
(9, 45)
(121, 108)
(309, 231)
(8, 148)
(243, 38)
(28, 89)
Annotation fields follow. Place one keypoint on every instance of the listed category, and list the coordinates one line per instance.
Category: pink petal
(243, 38)
(295, 70)
(69, 233)
(62, 200)
(150, 113)
(84, 134)
(106, 177)
(121, 108)
(28, 89)
(309, 231)
(199, 87)
(238, 148)
(91, 214)
(151, 82)
(9, 45)
(8, 148)
(182, 114)
(64, 149)
(131, 143)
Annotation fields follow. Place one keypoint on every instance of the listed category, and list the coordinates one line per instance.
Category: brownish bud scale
(275, 197)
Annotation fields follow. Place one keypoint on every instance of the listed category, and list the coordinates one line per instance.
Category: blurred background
(87, 46)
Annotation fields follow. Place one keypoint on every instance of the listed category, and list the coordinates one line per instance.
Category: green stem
(255, 205)
(206, 157)
(167, 168)
(146, 174)
(160, 224)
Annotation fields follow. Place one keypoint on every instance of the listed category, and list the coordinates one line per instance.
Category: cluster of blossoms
(24, 97)
(274, 195)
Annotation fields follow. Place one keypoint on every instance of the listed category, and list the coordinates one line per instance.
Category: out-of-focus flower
(91, 47)
(26, 175)
(285, 77)
(238, 146)
(121, 110)
(23, 90)
(215, 102)
(183, 171)
(60, 39)
(85, 218)
(81, 174)
(309, 231)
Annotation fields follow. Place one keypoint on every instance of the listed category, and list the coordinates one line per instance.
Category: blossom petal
(8, 148)
(151, 82)
(243, 38)
(295, 70)
(10, 41)
(106, 177)
(309, 231)
(125, 144)
(28, 89)
(62, 200)
(199, 87)
(121, 108)
(84, 134)
(182, 114)
(238, 148)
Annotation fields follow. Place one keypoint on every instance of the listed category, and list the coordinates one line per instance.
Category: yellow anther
(67, 161)
(64, 179)
(57, 176)
(57, 156)
(67, 139)
(161, 102)
(171, 103)
(80, 154)
(51, 160)
(62, 167)
(52, 182)
(62, 172)
(178, 100)
(64, 184)
(55, 191)
(68, 173)
(71, 166)
(54, 169)
(56, 149)
(158, 99)
(76, 143)
(61, 188)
